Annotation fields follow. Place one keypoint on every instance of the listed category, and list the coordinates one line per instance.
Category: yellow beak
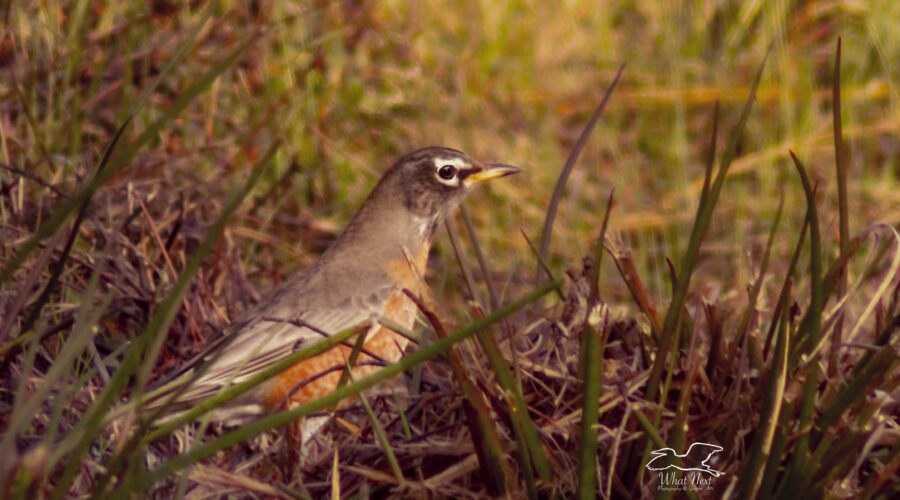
(491, 171)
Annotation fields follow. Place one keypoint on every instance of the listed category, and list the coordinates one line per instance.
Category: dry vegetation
(250, 131)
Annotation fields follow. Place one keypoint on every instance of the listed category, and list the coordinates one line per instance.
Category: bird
(357, 280)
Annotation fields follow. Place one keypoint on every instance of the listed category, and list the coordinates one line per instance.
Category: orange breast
(380, 340)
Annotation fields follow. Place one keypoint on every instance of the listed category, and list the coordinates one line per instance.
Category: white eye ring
(447, 172)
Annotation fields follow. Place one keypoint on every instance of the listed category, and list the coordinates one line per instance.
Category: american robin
(360, 278)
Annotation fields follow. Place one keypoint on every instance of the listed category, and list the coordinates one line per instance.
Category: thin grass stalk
(481, 425)
(457, 251)
(590, 412)
(817, 298)
(678, 434)
(624, 262)
(811, 328)
(752, 473)
(525, 466)
(382, 438)
(649, 428)
(792, 484)
(285, 417)
(592, 361)
(784, 297)
(494, 299)
(542, 263)
(757, 283)
(26, 286)
(711, 159)
(482, 264)
(773, 466)
(335, 478)
(677, 438)
(351, 360)
(556, 198)
(841, 164)
(594, 297)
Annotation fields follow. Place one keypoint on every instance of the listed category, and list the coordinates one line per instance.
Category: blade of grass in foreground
(592, 347)
(840, 162)
(793, 484)
(383, 440)
(283, 418)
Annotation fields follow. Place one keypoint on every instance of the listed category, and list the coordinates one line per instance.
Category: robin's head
(433, 180)
(415, 195)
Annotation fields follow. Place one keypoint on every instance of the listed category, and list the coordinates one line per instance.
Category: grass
(751, 297)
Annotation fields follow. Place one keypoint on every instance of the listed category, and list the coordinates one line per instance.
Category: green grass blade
(482, 263)
(556, 198)
(593, 345)
(382, 438)
(796, 478)
(841, 163)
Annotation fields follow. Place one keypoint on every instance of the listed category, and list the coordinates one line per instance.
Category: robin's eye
(447, 172)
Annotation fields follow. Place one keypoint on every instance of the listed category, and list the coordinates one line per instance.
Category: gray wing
(274, 329)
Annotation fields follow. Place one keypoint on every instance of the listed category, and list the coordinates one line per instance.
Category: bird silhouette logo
(695, 459)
